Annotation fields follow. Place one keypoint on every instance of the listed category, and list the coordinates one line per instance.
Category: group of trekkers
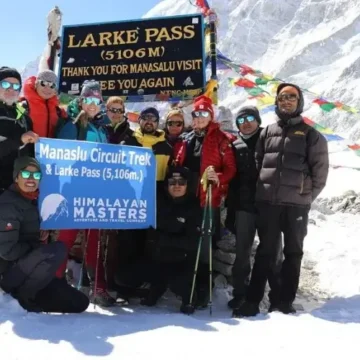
(267, 179)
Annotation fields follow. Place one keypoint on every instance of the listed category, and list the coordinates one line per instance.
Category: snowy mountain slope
(313, 43)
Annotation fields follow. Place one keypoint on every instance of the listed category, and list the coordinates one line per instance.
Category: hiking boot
(273, 307)
(202, 299)
(187, 309)
(246, 309)
(286, 308)
(155, 293)
(235, 303)
(102, 298)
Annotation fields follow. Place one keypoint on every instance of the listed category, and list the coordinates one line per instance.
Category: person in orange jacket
(42, 103)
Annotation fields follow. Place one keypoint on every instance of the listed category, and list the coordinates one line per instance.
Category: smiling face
(46, 89)
(115, 113)
(91, 105)
(9, 90)
(288, 99)
(175, 125)
(28, 179)
(201, 120)
(149, 123)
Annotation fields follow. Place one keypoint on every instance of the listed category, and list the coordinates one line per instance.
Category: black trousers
(177, 276)
(245, 227)
(32, 282)
(273, 220)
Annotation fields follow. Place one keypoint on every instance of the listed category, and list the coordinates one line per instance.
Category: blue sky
(24, 22)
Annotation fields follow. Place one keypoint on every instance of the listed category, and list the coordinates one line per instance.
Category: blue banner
(88, 185)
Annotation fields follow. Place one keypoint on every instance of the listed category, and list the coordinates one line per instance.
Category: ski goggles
(175, 123)
(287, 97)
(241, 119)
(116, 111)
(26, 174)
(49, 84)
(92, 100)
(177, 181)
(7, 85)
(204, 114)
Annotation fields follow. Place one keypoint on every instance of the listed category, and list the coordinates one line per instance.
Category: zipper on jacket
(279, 165)
(48, 118)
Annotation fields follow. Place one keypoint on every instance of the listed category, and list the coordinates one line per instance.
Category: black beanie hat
(301, 103)
(249, 110)
(23, 162)
(6, 72)
(152, 111)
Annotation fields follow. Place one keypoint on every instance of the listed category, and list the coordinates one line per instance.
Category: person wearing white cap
(42, 103)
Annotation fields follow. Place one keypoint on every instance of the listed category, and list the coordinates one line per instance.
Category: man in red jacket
(207, 151)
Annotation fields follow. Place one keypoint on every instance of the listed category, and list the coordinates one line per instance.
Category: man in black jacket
(15, 127)
(27, 267)
(241, 214)
(293, 163)
(171, 248)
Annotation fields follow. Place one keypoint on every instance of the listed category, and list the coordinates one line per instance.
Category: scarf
(28, 195)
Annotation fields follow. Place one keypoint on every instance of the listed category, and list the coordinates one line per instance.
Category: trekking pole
(79, 285)
(198, 252)
(210, 247)
(96, 269)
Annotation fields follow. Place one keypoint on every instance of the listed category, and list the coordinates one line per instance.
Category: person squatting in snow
(27, 266)
(268, 178)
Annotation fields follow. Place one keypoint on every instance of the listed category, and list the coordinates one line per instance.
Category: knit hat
(249, 110)
(152, 111)
(91, 88)
(23, 162)
(47, 75)
(6, 72)
(173, 112)
(204, 103)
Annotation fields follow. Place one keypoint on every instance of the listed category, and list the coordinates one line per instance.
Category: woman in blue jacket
(86, 122)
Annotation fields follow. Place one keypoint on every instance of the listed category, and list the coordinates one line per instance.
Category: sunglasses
(241, 119)
(204, 114)
(149, 118)
(7, 85)
(116, 111)
(287, 97)
(26, 174)
(49, 84)
(92, 100)
(175, 123)
(177, 181)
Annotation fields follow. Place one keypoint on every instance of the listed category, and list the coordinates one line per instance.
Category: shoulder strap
(59, 112)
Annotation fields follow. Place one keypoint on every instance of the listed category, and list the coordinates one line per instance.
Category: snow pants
(272, 220)
(92, 237)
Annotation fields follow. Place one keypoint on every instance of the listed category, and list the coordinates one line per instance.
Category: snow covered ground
(326, 329)
(298, 40)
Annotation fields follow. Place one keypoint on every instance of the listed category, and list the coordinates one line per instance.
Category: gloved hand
(208, 176)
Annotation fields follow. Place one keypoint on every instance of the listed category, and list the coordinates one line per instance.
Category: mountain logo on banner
(53, 207)
(188, 82)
